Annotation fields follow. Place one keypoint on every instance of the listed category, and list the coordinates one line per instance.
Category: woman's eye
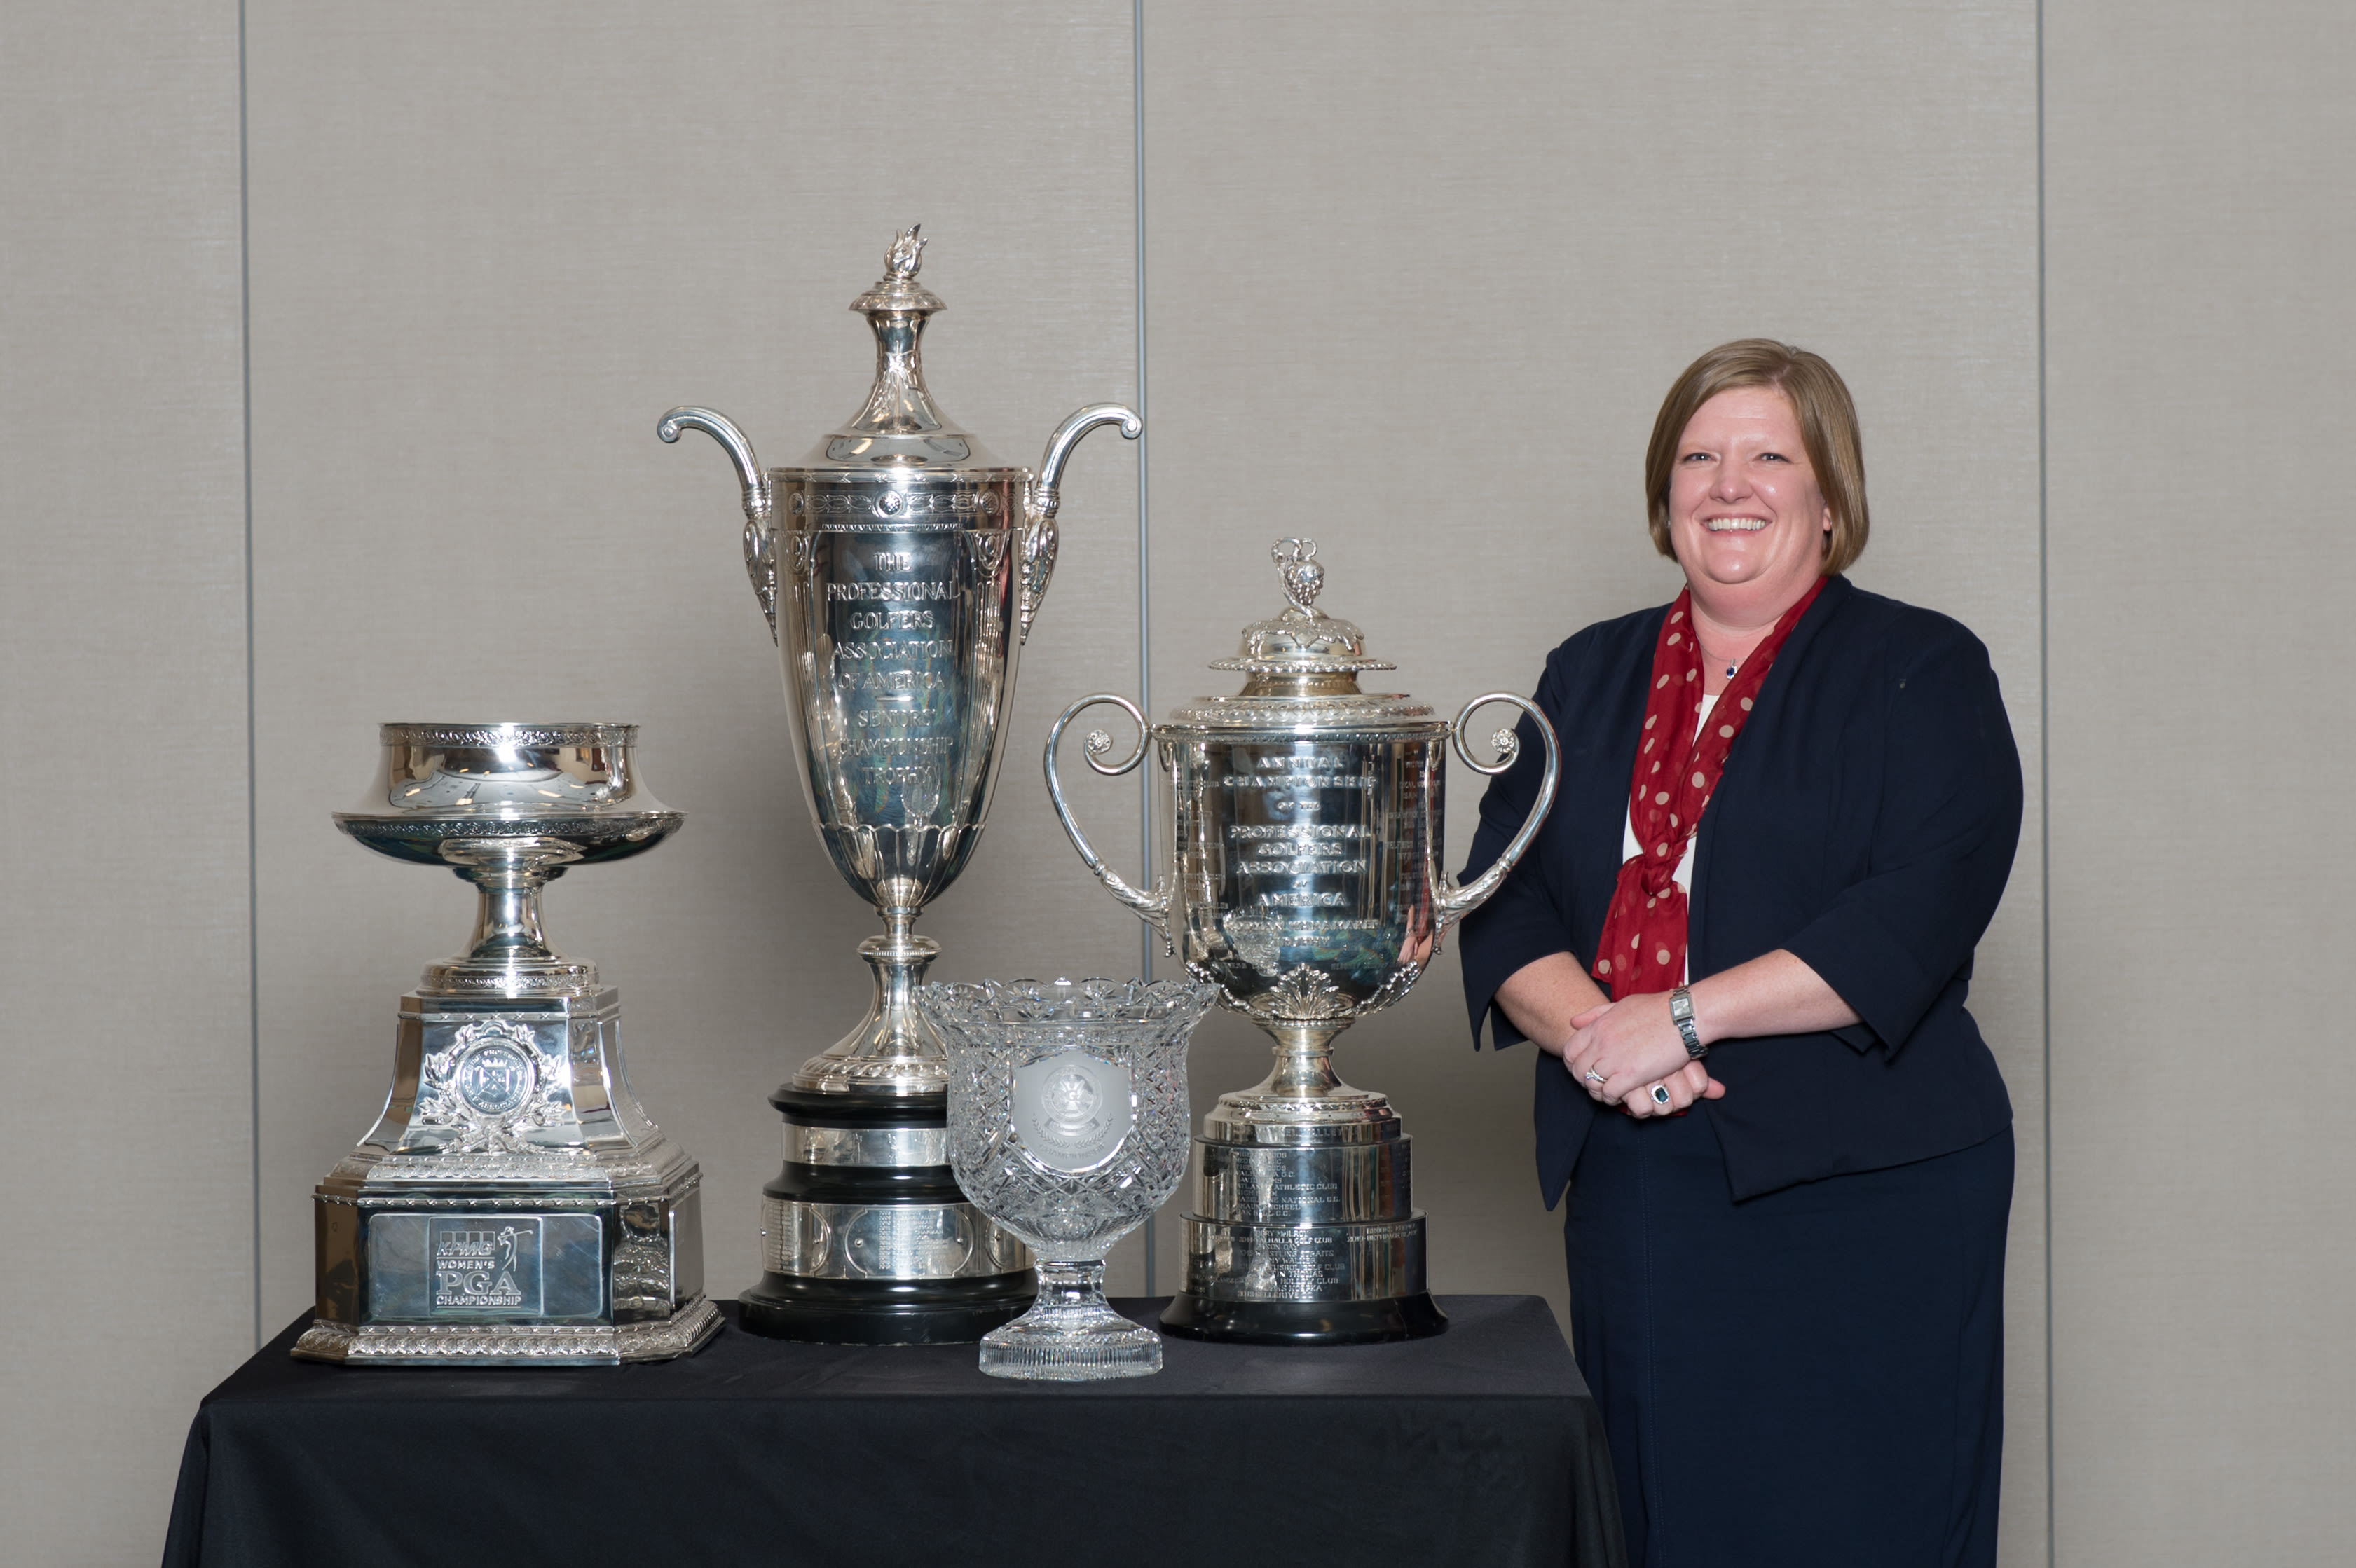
(1695, 458)
(1772, 457)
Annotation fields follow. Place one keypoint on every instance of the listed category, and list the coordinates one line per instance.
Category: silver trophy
(513, 1204)
(900, 566)
(1302, 880)
(1067, 1126)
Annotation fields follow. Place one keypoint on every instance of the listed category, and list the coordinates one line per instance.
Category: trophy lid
(898, 427)
(1301, 666)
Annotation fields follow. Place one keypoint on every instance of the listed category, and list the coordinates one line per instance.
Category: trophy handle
(760, 513)
(1450, 902)
(1152, 909)
(1040, 501)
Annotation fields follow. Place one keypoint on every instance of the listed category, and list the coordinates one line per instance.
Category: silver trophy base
(865, 1239)
(511, 1344)
(1303, 1230)
(513, 1204)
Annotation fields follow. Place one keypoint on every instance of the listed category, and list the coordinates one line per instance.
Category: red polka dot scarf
(1644, 944)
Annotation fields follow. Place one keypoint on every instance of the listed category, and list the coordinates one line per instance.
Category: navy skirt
(1814, 1376)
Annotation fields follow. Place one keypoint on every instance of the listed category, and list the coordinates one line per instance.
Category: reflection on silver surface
(902, 1147)
(900, 566)
(513, 1202)
(1233, 1261)
(1303, 824)
(865, 1240)
(508, 807)
(1325, 1184)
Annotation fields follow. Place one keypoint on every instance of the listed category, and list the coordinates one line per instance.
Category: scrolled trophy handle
(1152, 907)
(1450, 902)
(1040, 502)
(760, 504)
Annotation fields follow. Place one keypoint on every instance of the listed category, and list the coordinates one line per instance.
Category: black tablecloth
(1481, 1446)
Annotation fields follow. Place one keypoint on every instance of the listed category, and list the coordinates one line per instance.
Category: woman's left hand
(1619, 1051)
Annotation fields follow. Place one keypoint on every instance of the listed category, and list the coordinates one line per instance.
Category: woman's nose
(1728, 483)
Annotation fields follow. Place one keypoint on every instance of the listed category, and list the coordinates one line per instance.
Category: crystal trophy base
(865, 1238)
(513, 1205)
(1071, 1335)
(1302, 1231)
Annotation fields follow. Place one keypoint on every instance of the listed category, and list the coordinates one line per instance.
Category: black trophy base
(884, 1311)
(1375, 1322)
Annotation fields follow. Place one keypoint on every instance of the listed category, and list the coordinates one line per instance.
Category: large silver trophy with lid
(513, 1203)
(1304, 820)
(900, 566)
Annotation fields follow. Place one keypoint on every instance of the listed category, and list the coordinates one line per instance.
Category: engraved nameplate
(471, 1267)
(1072, 1110)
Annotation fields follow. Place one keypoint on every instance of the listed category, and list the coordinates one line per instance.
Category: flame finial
(1303, 578)
(908, 254)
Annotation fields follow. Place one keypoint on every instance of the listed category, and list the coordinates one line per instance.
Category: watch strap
(1681, 1013)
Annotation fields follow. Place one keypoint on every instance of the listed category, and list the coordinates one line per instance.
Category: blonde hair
(1828, 428)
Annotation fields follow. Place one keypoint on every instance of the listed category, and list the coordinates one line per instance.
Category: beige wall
(1413, 281)
(1422, 305)
(126, 1038)
(2199, 330)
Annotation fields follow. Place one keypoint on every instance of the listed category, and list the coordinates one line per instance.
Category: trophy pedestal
(865, 1238)
(513, 1205)
(1303, 1230)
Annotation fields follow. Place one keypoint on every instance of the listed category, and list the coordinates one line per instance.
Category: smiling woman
(1788, 809)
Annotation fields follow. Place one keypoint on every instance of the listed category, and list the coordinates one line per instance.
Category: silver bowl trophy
(513, 1204)
(1068, 1126)
(1304, 825)
(900, 566)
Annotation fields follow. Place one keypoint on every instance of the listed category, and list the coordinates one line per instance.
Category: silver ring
(1660, 1094)
(1595, 1077)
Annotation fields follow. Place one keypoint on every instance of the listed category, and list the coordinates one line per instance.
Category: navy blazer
(1866, 821)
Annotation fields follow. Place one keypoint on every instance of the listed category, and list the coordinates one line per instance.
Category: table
(1479, 1446)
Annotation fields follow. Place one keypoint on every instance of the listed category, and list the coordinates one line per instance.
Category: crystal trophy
(1068, 1126)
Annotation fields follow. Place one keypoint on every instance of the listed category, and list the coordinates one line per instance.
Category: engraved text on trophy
(486, 1263)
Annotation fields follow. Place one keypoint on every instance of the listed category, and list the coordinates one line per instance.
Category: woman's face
(1744, 509)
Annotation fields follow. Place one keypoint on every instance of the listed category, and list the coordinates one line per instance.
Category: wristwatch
(1681, 1012)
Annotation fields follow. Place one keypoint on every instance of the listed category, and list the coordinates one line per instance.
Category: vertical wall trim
(252, 806)
(2045, 802)
(1144, 551)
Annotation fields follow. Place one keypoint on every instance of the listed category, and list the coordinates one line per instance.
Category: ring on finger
(1660, 1095)
(1595, 1077)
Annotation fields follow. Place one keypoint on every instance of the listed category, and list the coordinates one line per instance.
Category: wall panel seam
(1144, 542)
(2044, 812)
(252, 806)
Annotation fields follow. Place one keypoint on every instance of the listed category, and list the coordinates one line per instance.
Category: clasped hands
(1620, 1052)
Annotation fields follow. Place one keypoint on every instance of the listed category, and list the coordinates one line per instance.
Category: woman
(1743, 940)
